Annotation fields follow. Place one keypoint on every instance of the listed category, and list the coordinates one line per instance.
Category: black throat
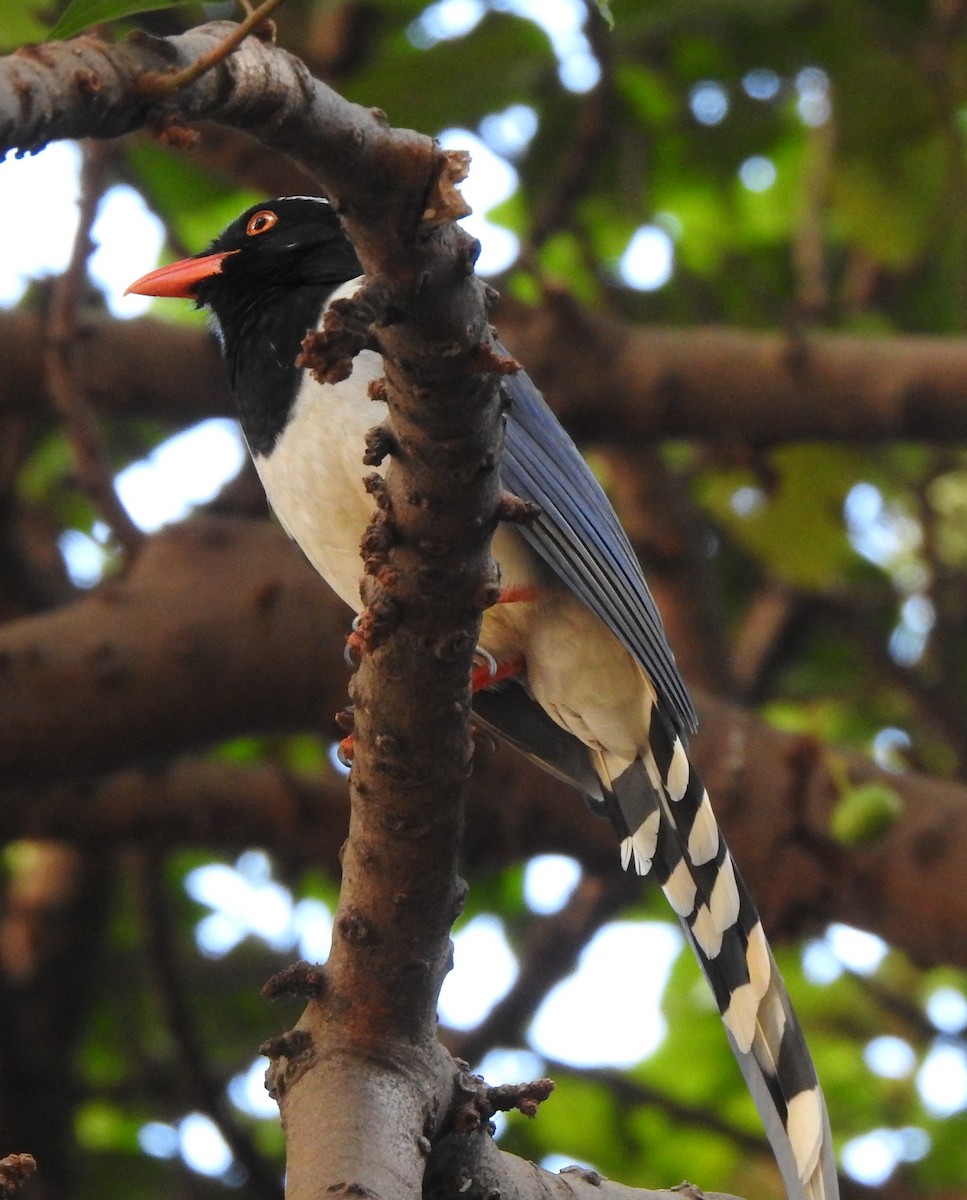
(277, 265)
(261, 339)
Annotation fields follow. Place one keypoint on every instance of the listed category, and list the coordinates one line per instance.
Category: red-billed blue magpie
(593, 692)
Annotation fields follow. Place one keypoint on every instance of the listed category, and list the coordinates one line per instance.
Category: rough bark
(365, 1051)
(470, 1165)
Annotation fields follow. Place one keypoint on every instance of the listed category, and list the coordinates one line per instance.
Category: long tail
(665, 822)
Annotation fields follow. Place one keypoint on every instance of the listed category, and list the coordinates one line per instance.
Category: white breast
(313, 477)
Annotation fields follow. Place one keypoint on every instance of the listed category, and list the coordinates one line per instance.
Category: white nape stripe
(703, 839)
(677, 781)
(724, 903)
(644, 841)
(680, 889)
(804, 1124)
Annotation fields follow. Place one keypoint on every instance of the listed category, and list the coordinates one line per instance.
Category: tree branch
(606, 380)
(471, 1165)
(176, 656)
(381, 179)
(429, 573)
(136, 369)
(202, 1086)
(92, 465)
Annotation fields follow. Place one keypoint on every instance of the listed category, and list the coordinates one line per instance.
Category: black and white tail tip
(666, 824)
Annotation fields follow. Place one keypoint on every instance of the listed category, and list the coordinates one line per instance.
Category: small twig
(91, 462)
(475, 1101)
(15, 1170)
(809, 249)
(156, 85)
(916, 1024)
(524, 1098)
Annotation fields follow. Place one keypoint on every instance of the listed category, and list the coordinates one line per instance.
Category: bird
(582, 679)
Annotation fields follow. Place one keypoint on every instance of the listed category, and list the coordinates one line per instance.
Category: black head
(294, 242)
(265, 280)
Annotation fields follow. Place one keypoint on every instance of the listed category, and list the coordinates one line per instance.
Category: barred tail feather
(664, 820)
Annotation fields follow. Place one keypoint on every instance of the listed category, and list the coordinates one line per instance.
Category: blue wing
(579, 536)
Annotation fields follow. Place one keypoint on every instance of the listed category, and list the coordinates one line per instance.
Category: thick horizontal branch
(605, 380)
(385, 181)
(181, 653)
(137, 369)
(601, 375)
(222, 629)
(202, 802)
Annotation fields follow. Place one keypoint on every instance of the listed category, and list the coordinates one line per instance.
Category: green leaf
(562, 259)
(82, 14)
(865, 813)
(103, 1126)
(195, 204)
(797, 530)
(648, 93)
(441, 87)
(21, 23)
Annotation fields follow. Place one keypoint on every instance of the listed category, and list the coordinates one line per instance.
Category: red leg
(487, 673)
(483, 676)
(519, 595)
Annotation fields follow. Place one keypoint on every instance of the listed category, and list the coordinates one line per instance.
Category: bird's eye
(261, 222)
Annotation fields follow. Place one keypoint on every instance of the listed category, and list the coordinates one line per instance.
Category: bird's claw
(485, 667)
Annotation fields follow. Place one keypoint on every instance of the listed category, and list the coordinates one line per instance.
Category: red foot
(484, 677)
(519, 595)
(487, 673)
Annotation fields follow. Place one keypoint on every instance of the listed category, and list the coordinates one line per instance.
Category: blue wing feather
(579, 536)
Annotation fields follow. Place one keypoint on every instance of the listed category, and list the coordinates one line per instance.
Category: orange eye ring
(261, 222)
